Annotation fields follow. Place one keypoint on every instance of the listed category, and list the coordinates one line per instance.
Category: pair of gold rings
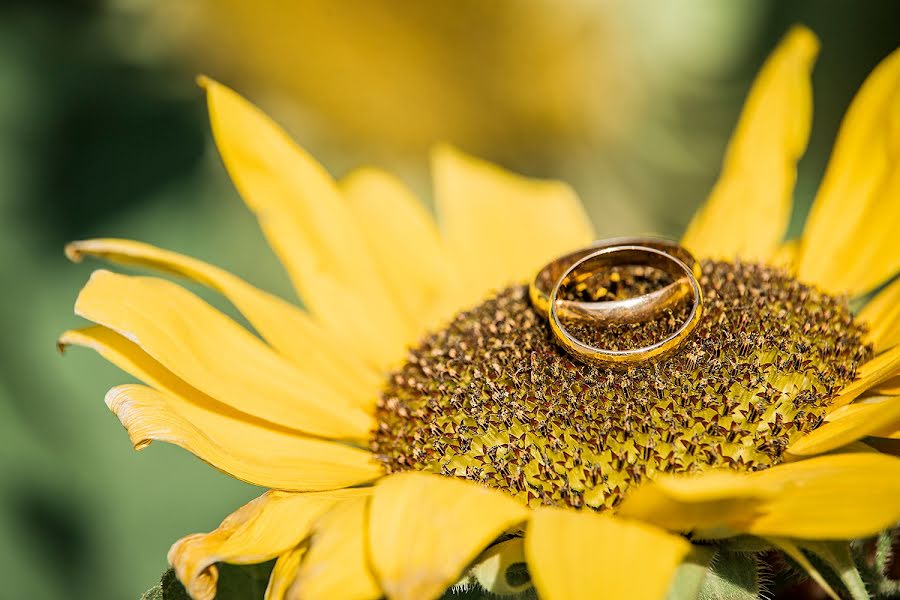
(574, 270)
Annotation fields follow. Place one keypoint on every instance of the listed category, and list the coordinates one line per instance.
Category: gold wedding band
(684, 283)
(618, 310)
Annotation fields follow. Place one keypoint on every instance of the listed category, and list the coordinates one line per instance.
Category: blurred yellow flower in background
(316, 409)
(402, 75)
(576, 88)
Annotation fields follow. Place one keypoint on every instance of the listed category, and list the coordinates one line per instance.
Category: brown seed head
(492, 397)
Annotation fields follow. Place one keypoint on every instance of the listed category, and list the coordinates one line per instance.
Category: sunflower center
(492, 397)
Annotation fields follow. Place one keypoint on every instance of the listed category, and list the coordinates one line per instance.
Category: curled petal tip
(65, 340)
(73, 252)
(119, 401)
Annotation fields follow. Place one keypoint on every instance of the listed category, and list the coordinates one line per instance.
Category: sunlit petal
(284, 573)
(837, 496)
(723, 502)
(238, 444)
(260, 456)
(425, 529)
(214, 354)
(888, 387)
(864, 420)
(337, 564)
(582, 556)
(882, 316)
(785, 255)
(870, 376)
(849, 244)
(310, 227)
(501, 227)
(405, 244)
(287, 328)
(748, 210)
(259, 531)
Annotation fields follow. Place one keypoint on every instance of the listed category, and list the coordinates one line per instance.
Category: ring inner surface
(625, 300)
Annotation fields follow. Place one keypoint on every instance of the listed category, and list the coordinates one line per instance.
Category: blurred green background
(103, 133)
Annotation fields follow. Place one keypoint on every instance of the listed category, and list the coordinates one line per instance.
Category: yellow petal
(500, 227)
(748, 210)
(309, 226)
(128, 356)
(580, 555)
(888, 387)
(893, 434)
(284, 573)
(250, 453)
(869, 376)
(837, 496)
(850, 409)
(864, 420)
(858, 447)
(849, 244)
(214, 354)
(425, 529)
(337, 565)
(720, 503)
(882, 316)
(264, 528)
(785, 256)
(238, 444)
(405, 244)
(287, 328)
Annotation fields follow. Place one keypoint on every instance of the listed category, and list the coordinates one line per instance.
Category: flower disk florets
(493, 398)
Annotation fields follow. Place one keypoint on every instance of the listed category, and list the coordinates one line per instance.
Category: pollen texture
(494, 399)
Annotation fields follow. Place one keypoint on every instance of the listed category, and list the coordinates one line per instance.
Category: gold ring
(544, 280)
(684, 282)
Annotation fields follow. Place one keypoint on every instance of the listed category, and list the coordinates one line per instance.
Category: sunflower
(417, 427)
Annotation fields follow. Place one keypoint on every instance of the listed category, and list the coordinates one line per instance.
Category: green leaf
(793, 553)
(691, 573)
(236, 582)
(837, 558)
(473, 591)
(477, 593)
(168, 588)
(154, 593)
(733, 576)
(884, 550)
(746, 544)
(248, 582)
(878, 575)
